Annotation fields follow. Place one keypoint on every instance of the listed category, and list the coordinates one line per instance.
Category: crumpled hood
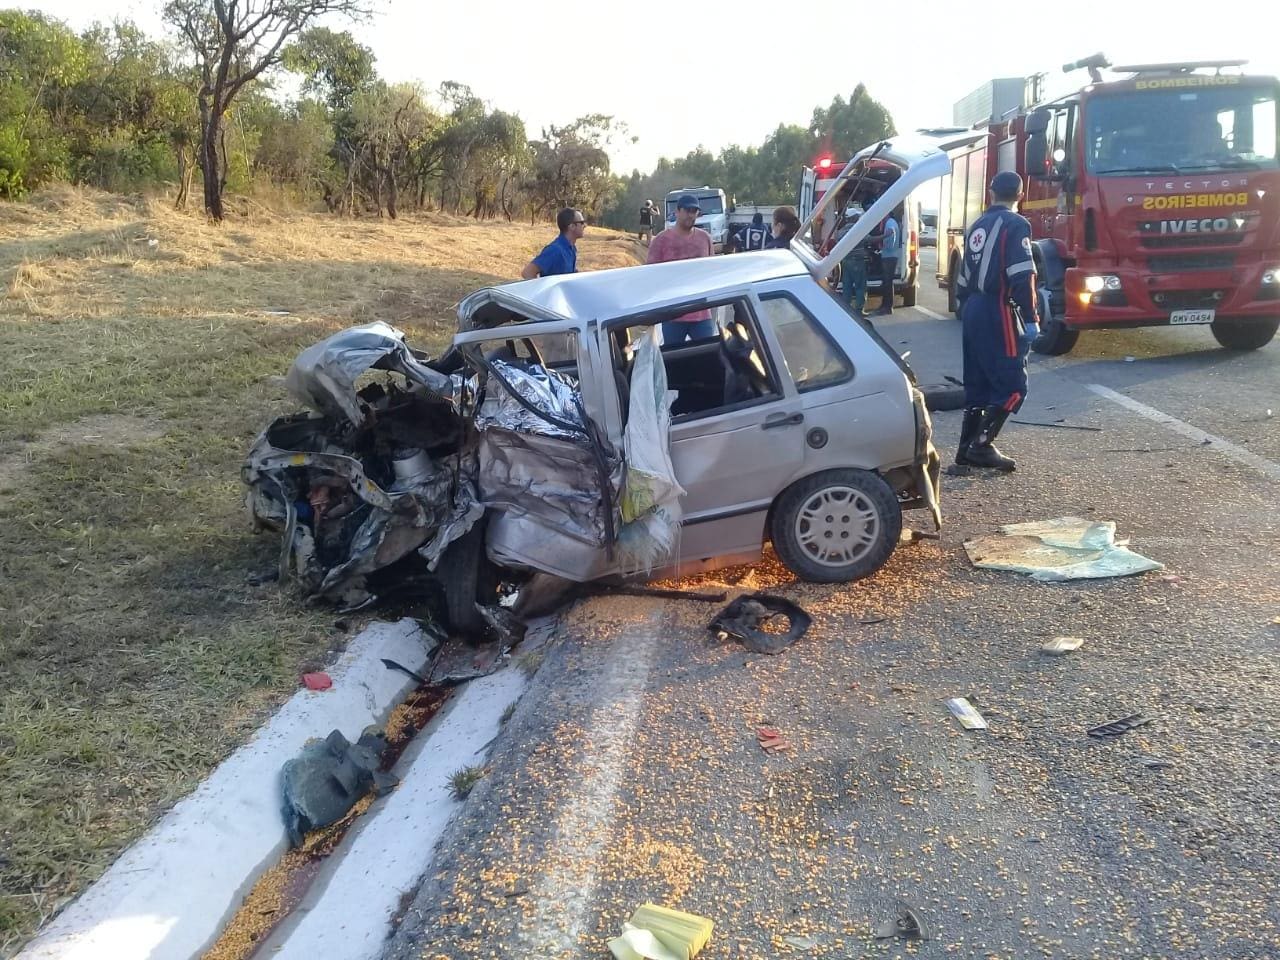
(324, 375)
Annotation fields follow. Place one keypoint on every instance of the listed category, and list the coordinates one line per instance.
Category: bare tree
(234, 42)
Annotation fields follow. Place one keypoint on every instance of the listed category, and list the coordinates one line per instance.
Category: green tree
(845, 127)
(41, 61)
(233, 43)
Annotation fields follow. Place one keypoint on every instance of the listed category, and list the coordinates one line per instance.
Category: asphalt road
(631, 771)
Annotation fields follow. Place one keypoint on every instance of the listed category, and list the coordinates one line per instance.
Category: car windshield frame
(1147, 120)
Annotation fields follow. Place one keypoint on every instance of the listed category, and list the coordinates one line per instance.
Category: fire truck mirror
(1037, 161)
(1038, 121)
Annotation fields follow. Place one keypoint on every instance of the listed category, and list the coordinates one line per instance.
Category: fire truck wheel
(1055, 339)
(1244, 334)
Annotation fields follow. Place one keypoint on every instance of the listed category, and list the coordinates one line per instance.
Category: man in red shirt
(684, 241)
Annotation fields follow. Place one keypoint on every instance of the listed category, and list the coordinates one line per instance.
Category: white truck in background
(713, 216)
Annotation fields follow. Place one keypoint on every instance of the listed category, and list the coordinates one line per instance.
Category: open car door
(920, 158)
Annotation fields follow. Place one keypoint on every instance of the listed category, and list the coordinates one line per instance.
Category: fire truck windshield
(1181, 130)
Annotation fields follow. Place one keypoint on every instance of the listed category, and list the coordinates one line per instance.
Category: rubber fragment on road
(907, 925)
(747, 619)
(317, 681)
(1117, 728)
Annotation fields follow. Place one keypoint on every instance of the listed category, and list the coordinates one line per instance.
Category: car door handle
(782, 420)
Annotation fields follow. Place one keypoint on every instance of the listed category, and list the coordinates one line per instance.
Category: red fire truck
(1154, 199)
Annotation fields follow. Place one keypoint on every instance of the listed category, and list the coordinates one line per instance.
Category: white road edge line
(931, 313)
(564, 892)
(1239, 454)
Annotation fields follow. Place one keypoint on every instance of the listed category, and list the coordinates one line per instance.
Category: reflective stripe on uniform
(1020, 268)
(987, 251)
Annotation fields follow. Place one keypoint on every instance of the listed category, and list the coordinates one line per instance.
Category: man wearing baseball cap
(996, 290)
(684, 241)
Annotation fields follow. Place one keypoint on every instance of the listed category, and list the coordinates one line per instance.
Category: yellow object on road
(660, 933)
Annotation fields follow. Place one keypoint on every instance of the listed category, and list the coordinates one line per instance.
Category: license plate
(1191, 316)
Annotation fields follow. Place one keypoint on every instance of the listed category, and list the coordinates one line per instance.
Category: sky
(711, 72)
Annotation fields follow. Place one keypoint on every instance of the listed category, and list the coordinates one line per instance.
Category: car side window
(812, 357)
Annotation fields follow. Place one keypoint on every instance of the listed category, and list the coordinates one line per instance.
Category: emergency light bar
(1180, 67)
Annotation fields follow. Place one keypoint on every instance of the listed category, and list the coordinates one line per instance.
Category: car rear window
(812, 357)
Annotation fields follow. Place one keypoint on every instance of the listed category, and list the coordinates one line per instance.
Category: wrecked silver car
(559, 435)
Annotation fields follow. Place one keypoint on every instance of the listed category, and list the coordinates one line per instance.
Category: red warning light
(824, 163)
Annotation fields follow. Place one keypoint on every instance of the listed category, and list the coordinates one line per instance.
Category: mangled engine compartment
(483, 465)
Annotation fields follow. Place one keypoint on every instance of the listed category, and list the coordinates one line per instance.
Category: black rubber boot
(981, 451)
(968, 430)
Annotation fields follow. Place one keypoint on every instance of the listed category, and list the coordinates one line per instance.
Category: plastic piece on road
(1068, 548)
(746, 617)
(1116, 728)
(965, 712)
(1059, 646)
(660, 933)
(317, 681)
(771, 741)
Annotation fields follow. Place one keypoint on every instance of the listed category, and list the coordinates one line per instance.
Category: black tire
(942, 396)
(953, 303)
(468, 577)
(1244, 334)
(909, 292)
(878, 528)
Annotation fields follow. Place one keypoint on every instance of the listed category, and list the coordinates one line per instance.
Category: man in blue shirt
(561, 254)
(890, 251)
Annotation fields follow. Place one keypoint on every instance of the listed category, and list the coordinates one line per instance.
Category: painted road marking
(931, 313)
(565, 890)
(1237, 453)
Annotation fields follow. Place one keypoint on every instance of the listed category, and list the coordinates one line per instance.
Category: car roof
(627, 291)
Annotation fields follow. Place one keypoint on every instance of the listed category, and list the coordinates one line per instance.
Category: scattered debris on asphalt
(1060, 646)
(1068, 548)
(1117, 728)
(1154, 763)
(907, 925)
(393, 665)
(966, 713)
(771, 741)
(660, 933)
(1060, 425)
(329, 777)
(754, 619)
(317, 681)
(873, 618)
(800, 943)
(909, 535)
(1130, 359)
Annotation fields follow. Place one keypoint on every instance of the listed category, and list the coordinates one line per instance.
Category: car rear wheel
(1245, 334)
(836, 526)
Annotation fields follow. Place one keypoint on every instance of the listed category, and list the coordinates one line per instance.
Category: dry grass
(143, 350)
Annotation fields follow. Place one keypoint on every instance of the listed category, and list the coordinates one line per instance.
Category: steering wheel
(744, 359)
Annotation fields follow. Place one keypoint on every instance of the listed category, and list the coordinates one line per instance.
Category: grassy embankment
(143, 349)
